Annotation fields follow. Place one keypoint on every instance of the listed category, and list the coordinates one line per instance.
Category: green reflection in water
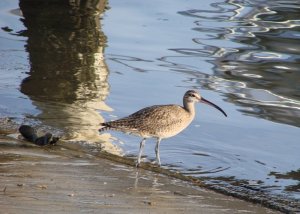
(67, 81)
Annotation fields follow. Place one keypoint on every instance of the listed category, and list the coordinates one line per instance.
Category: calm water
(69, 67)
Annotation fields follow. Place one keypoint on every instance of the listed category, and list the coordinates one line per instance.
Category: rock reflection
(67, 81)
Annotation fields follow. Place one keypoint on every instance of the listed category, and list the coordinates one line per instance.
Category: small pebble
(42, 186)
(150, 203)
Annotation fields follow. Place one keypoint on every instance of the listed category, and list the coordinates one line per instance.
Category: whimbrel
(159, 121)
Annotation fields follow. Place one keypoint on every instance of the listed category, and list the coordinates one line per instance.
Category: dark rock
(30, 134)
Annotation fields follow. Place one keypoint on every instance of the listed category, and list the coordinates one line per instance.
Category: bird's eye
(192, 95)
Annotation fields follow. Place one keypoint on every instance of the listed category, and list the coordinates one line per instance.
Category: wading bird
(159, 121)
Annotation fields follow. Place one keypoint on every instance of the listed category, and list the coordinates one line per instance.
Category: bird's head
(192, 96)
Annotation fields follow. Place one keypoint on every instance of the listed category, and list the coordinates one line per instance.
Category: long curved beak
(213, 105)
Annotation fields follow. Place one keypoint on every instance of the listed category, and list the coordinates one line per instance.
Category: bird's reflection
(67, 80)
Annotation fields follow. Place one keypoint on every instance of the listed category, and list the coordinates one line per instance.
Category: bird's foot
(137, 164)
(156, 162)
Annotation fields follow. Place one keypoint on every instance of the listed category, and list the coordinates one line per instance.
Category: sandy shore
(54, 180)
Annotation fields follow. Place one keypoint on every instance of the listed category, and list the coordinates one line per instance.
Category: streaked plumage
(159, 121)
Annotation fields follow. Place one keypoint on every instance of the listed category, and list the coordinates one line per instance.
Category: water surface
(70, 67)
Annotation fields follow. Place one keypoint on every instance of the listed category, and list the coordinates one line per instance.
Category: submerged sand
(56, 180)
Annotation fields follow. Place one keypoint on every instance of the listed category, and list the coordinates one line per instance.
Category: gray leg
(142, 144)
(157, 151)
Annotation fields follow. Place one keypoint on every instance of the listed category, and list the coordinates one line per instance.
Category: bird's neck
(189, 107)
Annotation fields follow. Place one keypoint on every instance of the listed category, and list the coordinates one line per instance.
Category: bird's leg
(157, 151)
(142, 144)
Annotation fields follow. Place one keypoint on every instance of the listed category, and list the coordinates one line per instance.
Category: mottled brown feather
(154, 121)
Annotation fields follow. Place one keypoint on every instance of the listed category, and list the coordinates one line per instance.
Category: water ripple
(254, 46)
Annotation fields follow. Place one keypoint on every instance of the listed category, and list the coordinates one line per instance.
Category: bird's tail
(105, 127)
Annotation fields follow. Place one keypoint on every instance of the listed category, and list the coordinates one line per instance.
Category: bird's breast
(173, 128)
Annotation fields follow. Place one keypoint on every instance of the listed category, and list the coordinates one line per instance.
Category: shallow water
(33, 180)
(69, 67)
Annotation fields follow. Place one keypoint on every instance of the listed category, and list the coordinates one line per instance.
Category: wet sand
(57, 180)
